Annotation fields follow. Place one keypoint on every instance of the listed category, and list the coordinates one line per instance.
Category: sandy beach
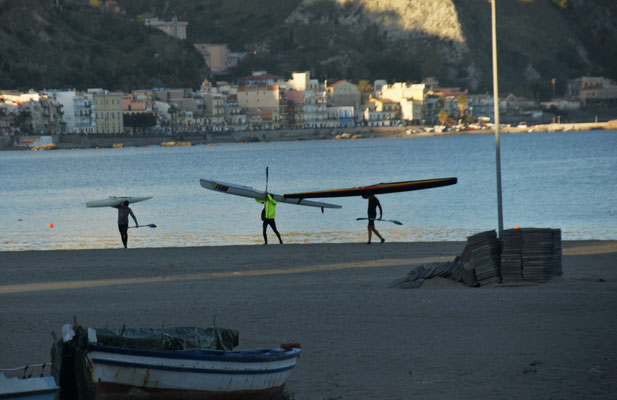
(360, 339)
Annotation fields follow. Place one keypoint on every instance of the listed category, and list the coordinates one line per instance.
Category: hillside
(403, 40)
(79, 46)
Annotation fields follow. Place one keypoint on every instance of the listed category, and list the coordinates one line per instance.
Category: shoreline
(69, 142)
(360, 339)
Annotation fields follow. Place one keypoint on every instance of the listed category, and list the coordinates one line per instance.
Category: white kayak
(113, 201)
(246, 191)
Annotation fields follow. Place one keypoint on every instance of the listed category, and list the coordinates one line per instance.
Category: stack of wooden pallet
(530, 254)
(482, 252)
(527, 254)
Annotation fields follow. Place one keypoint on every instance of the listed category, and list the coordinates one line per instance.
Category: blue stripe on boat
(197, 370)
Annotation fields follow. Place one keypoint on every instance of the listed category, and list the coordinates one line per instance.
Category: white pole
(496, 114)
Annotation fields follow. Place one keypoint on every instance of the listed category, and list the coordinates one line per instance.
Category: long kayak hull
(114, 201)
(246, 191)
(380, 188)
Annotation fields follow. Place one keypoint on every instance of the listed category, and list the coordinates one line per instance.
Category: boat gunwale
(193, 369)
(238, 356)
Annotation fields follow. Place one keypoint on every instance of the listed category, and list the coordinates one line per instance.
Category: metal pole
(496, 113)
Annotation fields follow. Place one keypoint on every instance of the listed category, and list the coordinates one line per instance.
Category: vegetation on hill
(77, 45)
(103, 43)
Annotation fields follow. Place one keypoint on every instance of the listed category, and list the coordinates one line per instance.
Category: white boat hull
(205, 374)
(114, 201)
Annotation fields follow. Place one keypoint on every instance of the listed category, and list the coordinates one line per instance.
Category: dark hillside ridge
(79, 46)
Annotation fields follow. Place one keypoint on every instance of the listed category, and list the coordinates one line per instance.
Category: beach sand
(360, 339)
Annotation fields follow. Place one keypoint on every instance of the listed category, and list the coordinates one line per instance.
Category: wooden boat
(119, 372)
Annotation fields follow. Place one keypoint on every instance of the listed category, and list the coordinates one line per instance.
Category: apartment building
(173, 28)
(381, 112)
(217, 57)
(593, 90)
(343, 93)
(214, 111)
(107, 111)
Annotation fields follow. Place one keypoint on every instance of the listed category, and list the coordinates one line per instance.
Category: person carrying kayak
(267, 216)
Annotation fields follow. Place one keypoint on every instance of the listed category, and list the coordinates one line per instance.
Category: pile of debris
(522, 255)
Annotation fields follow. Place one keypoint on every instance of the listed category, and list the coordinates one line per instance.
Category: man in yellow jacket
(267, 215)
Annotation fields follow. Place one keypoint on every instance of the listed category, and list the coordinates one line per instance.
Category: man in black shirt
(123, 221)
(373, 203)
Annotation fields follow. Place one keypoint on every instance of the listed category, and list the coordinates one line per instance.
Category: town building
(173, 28)
(260, 78)
(107, 111)
(592, 90)
(83, 114)
(219, 58)
(343, 93)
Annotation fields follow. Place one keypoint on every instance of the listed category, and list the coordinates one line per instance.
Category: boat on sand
(173, 363)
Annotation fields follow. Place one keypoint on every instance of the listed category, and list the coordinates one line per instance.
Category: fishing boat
(192, 372)
(28, 387)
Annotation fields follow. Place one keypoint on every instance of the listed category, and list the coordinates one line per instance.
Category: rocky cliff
(70, 43)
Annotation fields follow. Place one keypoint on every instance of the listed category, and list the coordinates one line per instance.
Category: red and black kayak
(380, 188)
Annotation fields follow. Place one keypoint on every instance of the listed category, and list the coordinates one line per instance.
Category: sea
(564, 180)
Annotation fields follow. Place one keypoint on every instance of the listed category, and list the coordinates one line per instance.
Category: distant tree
(365, 90)
(139, 122)
(470, 119)
(442, 117)
(461, 101)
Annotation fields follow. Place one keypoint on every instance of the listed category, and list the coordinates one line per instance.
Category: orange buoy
(517, 227)
(51, 225)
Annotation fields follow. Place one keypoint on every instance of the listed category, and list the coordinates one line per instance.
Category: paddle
(387, 220)
(141, 226)
(266, 179)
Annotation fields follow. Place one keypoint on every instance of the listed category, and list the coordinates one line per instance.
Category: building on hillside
(593, 90)
(260, 78)
(381, 112)
(134, 103)
(44, 111)
(173, 28)
(378, 85)
(481, 105)
(107, 111)
(314, 109)
(411, 111)
(259, 98)
(343, 93)
(214, 111)
(138, 110)
(83, 111)
(169, 95)
(403, 91)
(183, 99)
(66, 99)
(410, 98)
(430, 109)
(341, 117)
(235, 118)
(303, 81)
(217, 57)
(8, 112)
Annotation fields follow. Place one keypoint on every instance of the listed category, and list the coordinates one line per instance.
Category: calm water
(558, 180)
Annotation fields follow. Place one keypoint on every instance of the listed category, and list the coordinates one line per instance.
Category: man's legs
(124, 234)
(265, 225)
(371, 229)
(273, 225)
